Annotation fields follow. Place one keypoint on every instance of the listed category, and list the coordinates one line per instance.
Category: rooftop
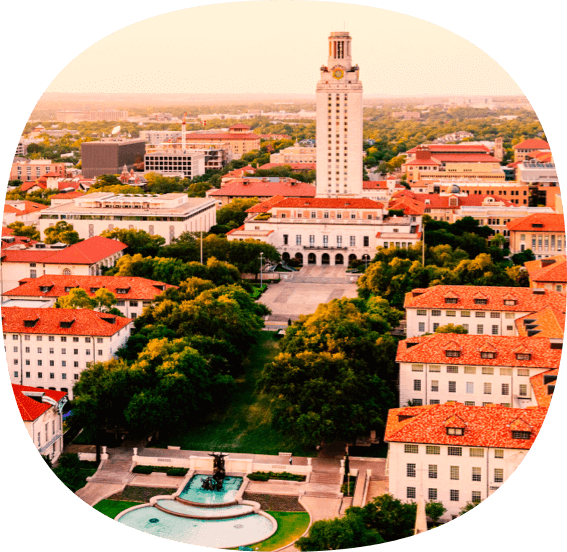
(552, 269)
(538, 223)
(31, 409)
(260, 188)
(532, 143)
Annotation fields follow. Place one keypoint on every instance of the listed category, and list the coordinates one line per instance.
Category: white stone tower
(339, 122)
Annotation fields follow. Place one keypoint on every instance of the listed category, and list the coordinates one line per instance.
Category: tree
(235, 211)
(523, 257)
(78, 298)
(20, 229)
(158, 184)
(452, 328)
(338, 534)
(62, 232)
(138, 241)
(17, 182)
(104, 301)
(434, 510)
(106, 180)
(468, 507)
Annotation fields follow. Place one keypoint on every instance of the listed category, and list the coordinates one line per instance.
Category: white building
(482, 310)
(295, 154)
(167, 215)
(472, 369)
(133, 294)
(49, 348)
(41, 411)
(187, 164)
(332, 231)
(339, 122)
(155, 137)
(454, 453)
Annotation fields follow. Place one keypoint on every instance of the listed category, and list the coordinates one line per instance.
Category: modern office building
(110, 156)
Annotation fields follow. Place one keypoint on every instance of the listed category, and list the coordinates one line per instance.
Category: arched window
(66, 272)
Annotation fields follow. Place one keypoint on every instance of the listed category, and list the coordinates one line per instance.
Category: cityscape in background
(359, 300)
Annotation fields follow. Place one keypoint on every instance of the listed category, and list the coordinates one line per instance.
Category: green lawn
(291, 525)
(243, 422)
(112, 508)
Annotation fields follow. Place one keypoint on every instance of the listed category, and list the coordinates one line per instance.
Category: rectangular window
(99, 340)
(297, 240)
(63, 339)
(417, 385)
(432, 471)
(451, 313)
(470, 387)
(498, 475)
(285, 240)
(494, 330)
(435, 368)
(411, 449)
(432, 494)
(487, 388)
(417, 367)
(452, 369)
(505, 389)
(435, 313)
(455, 451)
(523, 372)
(480, 329)
(470, 369)
(454, 495)
(410, 470)
(476, 497)
(432, 449)
(476, 474)
(421, 312)
(434, 386)
(465, 314)
(480, 314)
(498, 453)
(366, 241)
(353, 241)
(452, 387)
(476, 452)
(523, 390)
(487, 370)
(454, 473)
(411, 492)
(422, 326)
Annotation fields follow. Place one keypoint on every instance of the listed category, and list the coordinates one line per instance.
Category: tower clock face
(338, 74)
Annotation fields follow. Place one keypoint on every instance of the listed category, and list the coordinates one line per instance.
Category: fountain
(215, 483)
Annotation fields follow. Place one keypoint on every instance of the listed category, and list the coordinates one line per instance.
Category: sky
(278, 47)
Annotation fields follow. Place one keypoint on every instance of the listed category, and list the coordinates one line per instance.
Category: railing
(328, 247)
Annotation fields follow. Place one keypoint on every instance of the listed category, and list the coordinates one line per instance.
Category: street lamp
(261, 266)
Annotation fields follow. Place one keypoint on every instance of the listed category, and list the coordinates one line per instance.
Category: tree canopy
(138, 241)
(235, 211)
(62, 232)
(20, 229)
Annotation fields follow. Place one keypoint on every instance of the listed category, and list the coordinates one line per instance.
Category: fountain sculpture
(215, 482)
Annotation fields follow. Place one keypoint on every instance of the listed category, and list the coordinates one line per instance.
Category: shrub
(146, 470)
(285, 476)
(177, 472)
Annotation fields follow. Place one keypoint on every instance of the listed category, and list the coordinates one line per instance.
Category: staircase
(115, 470)
(324, 483)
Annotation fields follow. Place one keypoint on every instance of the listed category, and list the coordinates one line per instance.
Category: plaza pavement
(304, 290)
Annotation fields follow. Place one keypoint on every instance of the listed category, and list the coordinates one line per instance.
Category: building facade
(33, 169)
(295, 154)
(166, 215)
(187, 164)
(473, 369)
(49, 348)
(543, 234)
(110, 156)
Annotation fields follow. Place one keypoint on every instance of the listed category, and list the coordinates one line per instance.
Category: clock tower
(339, 122)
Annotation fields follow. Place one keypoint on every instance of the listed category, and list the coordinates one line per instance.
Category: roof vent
(410, 344)
(531, 333)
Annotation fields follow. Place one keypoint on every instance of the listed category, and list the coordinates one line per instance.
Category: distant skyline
(277, 48)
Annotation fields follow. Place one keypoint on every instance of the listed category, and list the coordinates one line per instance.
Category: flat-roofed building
(51, 347)
(523, 150)
(167, 215)
(32, 169)
(295, 154)
(187, 164)
(514, 192)
(542, 180)
(110, 156)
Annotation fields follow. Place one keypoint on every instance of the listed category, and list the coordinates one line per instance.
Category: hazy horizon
(277, 49)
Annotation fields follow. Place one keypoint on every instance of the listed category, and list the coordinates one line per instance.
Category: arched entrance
(311, 259)
(325, 259)
(339, 259)
(351, 258)
(365, 258)
(299, 257)
(285, 257)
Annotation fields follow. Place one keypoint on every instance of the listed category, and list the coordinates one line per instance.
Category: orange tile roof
(85, 321)
(224, 136)
(87, 252)
(260, 188)
(293, 166)
(68, 195)
(138, 288)
(552, 269)
(432, 349)
(374, 185)
(330, 203)
(549, 322)
(265, 206)
(532, 143)
(29, 408)
(542, 384)
(548, 222)
(526, 299)
(453, 148)
(485, 426)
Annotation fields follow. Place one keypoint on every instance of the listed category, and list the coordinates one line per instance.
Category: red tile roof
(453, 148)
(432, 349)
(265, 206)
(84, 321)
(543, 271)
(374, 185)
(485, 426)
(541, 156)
(29, 408)
(68, 195)
(18, 240)
(260, 188)
(28, 207)
(532, 143)
(87, 252)
(542, 389)
(222, 136)
(330, 203)
(138, 288)
(550, 222)
(466, 158)
(549, 322)
(7, 231)
(526, 299)
(293, 166)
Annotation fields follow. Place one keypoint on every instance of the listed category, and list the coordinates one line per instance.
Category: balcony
(324, 247)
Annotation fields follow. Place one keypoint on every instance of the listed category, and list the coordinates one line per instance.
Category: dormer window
(122, 291)
(30, 323)
(488, 354)
(94, 289)
(521, 434)
(479, 301)
(523, 356)
(510, 302)
(451, 300)
(45, 288)
(459, 431)
(66, 323)
(453, 354)
(68, 289)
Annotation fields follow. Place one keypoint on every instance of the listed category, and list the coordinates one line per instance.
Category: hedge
(146, 470)
(286, 476)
